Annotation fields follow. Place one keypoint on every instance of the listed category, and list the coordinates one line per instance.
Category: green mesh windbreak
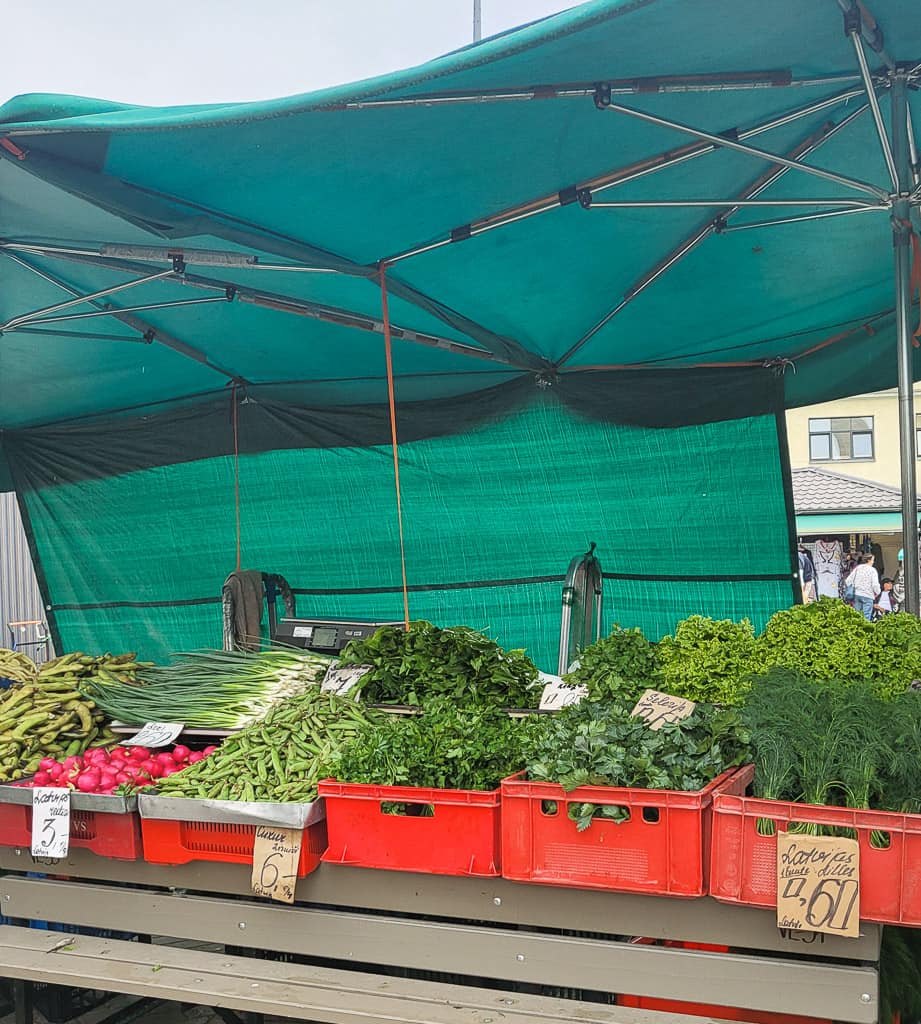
(687, 520)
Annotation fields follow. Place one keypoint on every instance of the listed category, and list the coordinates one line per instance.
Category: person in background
(865, 581)
(806, 575)
(885, 603)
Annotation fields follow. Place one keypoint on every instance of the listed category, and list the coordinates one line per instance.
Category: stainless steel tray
(108, 804)
(230, 812)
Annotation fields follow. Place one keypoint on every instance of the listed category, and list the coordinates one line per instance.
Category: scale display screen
(325, 636)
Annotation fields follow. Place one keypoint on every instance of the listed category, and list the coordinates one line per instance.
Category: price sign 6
(276, 854)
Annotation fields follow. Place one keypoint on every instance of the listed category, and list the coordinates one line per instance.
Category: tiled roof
(821, 490)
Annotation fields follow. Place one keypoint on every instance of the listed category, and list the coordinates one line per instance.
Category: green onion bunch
(209, 689)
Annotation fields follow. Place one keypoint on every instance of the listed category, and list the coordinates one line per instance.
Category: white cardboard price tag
(155, 734)
(559, 694)
(340, 680)
(50, 822)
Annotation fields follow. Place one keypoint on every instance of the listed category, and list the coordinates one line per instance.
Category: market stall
(415, 388)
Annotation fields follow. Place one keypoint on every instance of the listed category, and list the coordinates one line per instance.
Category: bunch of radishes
(122, 769)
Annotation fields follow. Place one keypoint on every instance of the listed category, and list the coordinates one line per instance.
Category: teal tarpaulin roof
(479, 178)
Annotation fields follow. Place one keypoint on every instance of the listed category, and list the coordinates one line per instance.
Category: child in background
(885, 601)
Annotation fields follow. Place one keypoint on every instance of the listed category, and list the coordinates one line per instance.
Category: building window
(918, 435)
(842, 439)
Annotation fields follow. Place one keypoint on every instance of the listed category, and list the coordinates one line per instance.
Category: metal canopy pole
(34, 316)
(901, 240)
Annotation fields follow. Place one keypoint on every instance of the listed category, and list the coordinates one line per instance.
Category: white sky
(201, 51)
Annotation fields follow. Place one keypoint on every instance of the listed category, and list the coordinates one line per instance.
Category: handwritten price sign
(276, 854)
(818, 884)
(155, 734)
(657, 708)
(50, 822)
(559, 694)
(341, 680)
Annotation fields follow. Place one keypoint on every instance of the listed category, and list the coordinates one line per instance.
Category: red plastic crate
(706, 1009)
(108, 835)
(744, 862)
(662, 849)
(179, 842)
(459, 837)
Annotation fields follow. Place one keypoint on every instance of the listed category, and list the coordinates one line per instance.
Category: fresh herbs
(620, 666)
(708, 660)
(444, 747)
(834, 742)
(602, 744)
(425, 661)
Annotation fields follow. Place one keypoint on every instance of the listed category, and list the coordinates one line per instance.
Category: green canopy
(647, 216)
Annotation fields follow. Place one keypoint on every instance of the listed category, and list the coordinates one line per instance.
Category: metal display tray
(104, 802)
(230, 812)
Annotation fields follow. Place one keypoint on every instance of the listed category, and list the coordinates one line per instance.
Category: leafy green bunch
(602, 744)
(620, 666)
(708, 660)
(444, 747)
(829, 640)
(836, 742)
(426, 661)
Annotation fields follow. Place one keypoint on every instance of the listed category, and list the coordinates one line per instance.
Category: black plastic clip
(574, 194)
(852, 21)
(602, 95)
(461, 234)
(149, 337)
(178, 263)
(731, 134)
(230, 293)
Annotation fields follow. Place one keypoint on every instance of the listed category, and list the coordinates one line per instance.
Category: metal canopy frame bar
(148, 333)
(272, 300)
(35, 315)
(619, 204)
(620, 176)
(741, 147)
(132, 309)
(720, 81)
(799, 218)
(854, 33)
(714, 226)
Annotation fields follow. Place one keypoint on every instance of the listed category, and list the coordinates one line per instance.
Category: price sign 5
(818, 884)
(276, 854)
(658, 708)
(155, 734)
(50, 822)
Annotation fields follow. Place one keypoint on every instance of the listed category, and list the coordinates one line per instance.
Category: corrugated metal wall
(19, 596)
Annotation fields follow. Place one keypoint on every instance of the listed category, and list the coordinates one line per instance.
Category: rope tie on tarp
(388, 353)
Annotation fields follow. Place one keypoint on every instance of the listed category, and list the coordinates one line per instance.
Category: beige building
(855, 438)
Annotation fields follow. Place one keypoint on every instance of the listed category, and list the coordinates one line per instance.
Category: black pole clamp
(602, 95)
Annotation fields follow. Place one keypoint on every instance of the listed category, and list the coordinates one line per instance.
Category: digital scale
(326, 636)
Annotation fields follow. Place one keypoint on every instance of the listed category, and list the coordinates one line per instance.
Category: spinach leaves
(602, 744)
(425, 661)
